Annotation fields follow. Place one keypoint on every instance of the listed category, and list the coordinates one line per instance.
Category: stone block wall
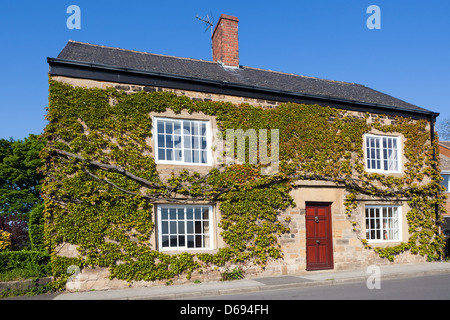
(348, 250)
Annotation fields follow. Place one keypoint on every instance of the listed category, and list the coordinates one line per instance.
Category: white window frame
(182, 134)
(446, 182)
(382, 157)
(187, 232)
(374, 224)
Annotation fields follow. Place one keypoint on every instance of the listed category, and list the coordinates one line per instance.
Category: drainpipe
(433, 120)
(436, 207)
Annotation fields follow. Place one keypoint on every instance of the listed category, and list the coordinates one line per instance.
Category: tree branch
(110, 167)
(62, 203)
(153, 198)
(353, 183)
(350, 182)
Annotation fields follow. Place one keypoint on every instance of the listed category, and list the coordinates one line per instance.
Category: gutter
(225, 84)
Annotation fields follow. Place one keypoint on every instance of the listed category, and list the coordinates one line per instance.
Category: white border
(209, 153)
(399, 154)
(447, 187)
(185, 248)
(400, 223)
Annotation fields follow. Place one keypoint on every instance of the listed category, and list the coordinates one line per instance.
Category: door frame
(315, 240)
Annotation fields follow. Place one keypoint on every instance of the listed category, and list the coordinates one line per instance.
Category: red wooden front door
(319, 242)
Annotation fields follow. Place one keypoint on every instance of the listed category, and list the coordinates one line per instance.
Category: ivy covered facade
(135, 192)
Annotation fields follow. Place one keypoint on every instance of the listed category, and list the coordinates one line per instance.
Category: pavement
(215, 288)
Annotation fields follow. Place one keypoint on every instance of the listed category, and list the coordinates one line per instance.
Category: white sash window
(382, 153)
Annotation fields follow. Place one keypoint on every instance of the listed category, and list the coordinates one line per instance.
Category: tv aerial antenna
(209, 21)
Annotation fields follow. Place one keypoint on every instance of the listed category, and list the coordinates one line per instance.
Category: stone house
(321, 235)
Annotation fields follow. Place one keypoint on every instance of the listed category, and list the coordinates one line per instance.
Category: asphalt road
(433, 287)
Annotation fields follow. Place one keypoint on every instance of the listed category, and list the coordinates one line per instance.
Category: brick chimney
(225, 41)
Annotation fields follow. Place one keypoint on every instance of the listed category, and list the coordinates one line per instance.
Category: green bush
(235, 274)
(36, 227)
(25, 263)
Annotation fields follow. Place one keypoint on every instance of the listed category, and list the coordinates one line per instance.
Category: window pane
(177, 127)
(187, 142)
(177, 154)
(196, 156)
(160, 126)
(198, 227)
(164, 213)
(198, 213)
(196, 130)
(181, 227)
(169, 127)
(190, 213)
(195, 142)
(177, 141)
(169, 154)
(204, 157)
(161, 154)
(378, 157)
(165, 241)
(203, 146)
(198, 241)
(173, 227)
(396, 235)
(190, 239)
(188, 156)
(203, 130)
(180, 214)
(190, 226)
(181, 241)
(165, 227)
(172, 213)
(206, 241)
(186, 127)
(161, 140)
(445, 182)
(173, 241)
(169, 141)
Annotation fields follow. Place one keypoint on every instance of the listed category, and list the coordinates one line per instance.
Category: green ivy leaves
(86, 205)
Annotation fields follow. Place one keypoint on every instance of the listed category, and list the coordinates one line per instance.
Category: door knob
(316, 219)
(318, 241)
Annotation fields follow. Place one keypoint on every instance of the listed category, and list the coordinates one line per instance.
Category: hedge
(10, 260)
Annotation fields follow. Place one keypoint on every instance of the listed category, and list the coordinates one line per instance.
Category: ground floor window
(383, 223)
(182, 227)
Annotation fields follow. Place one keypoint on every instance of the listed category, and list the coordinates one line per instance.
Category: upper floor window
(446, 182)
(181, 141)
(382, 153)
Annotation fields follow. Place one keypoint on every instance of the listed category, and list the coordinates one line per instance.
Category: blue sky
(408, 58)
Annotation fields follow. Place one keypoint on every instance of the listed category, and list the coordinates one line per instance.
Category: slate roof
(445, 144)
(212, 71)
